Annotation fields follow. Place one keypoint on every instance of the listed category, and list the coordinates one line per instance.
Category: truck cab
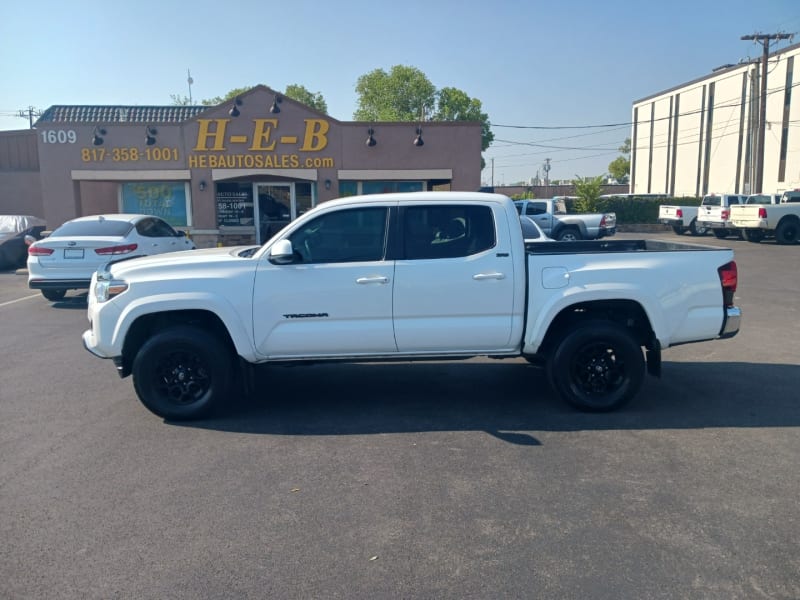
(715, 214)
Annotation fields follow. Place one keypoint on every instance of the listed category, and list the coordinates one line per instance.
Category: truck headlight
(106, 288)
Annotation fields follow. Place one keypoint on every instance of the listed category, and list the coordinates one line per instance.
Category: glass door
(274, 203)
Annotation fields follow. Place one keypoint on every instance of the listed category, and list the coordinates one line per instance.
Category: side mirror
(281, 252)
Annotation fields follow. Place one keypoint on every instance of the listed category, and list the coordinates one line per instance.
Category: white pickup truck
(681, 219)
(781, 220)
(715, 213)
(552, 218)
(427, 275)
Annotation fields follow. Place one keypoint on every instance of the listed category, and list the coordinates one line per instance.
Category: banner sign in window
(162, 199)
(234, 204)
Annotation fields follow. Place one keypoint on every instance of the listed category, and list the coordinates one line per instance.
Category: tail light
(39, 251)
(679, 213)
(116, 250)
(726, 215)
(729, 278)
(603, 221)
(762, 213)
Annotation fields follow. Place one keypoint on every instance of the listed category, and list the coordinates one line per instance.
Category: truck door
(454, 280)
(335, 299)
(537, 211)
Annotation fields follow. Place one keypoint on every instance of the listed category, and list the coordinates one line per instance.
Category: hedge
(635, 210)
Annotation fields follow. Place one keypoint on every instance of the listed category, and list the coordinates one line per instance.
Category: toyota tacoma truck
(781, 220)
(551, 216)
(418, 276)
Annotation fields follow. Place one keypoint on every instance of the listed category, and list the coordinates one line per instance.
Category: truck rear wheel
(753, 235)
(569, 234)
(678, 229)
(720, 234)
(696, 229)
(787, 232)
(54, 295)
(597, 367)
(182, 373)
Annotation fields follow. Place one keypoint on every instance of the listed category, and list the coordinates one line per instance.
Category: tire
(597, 367)
(696, 229)
(569, 234)
(54, 295)
(720, 234)
(678, 229)
(753, 235)
(787, 232)
(182, 373)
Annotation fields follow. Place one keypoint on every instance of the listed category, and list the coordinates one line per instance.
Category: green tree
(300, 93)
(229, 96)
(455, 105)
(178, 100)
(403, 94)
(406, 94)
(587, 189)
(620, 167)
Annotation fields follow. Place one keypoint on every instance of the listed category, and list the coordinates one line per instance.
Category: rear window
(104, 228)
(791, 197)
(712, 201)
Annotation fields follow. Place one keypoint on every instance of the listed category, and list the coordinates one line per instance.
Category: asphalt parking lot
(438, 480)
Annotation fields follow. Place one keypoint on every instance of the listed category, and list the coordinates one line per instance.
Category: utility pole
(546, 168)
(763, 39)
(30, 113)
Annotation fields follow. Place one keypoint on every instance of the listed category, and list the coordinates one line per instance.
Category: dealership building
(227, 174)
(702, 137)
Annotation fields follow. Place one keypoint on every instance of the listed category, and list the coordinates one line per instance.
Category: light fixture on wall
(370, 140)
(202, 186)
(234, 111)
(327, 184)
(418, 141)
(275, 101)
(97, 136)
(150, 135)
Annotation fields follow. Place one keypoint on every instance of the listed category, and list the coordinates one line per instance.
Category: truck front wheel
(182, 373)
(597, 367)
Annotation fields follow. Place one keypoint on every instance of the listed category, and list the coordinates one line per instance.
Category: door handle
(482, 276)
(378, 279)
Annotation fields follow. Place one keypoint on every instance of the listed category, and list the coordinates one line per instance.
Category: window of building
(355, 188)
(353, 235)
(446, 231)
(166, 199)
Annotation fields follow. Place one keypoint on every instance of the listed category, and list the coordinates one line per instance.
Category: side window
(145, 227)
(446, 231)
(349, 235)
(536, 208)
(162, 229)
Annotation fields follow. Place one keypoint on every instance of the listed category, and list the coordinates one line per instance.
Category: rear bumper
(606, 232)
(672, 222)
(733, 318)
(717, 225)
(59, 284)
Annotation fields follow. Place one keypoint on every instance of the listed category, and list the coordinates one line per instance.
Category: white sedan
(66, 259)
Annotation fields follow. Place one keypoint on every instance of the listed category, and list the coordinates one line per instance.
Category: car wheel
(597, 367)
(54, 295)
(678, 229)
(570, 234)
(753, 235)
(696, 229)
(787, 232)
(720, 234)
(182, 373)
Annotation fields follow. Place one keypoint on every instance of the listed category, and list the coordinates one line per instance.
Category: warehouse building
(228, 174)
(703, 136)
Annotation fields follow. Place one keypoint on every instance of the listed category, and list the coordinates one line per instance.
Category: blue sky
(532, 63)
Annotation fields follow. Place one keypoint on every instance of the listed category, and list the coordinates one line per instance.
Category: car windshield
(97, 228)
